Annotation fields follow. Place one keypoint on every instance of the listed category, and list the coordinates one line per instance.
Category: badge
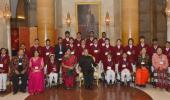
(91, 44)
(129, 53)
(96, 51)
(123, 65)
(106, 53)
(60, 59)
(47, 53)
(20, 64)
(161, 62)
(72, 52)
(103, 44)
(142, 63)
(118, 53)
(36, 68)
(78, 45)
(1, 65)
(109, 68)
(60, 52)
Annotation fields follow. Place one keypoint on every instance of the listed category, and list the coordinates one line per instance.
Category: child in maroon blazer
(4, 68)
(52, 70)
(125, 68)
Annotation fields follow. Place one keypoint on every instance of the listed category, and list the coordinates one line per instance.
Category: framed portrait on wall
(88, 18)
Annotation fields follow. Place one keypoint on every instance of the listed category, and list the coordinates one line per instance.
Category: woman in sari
(160, 64)
(68, 64)
(142, 72)
(36, 74)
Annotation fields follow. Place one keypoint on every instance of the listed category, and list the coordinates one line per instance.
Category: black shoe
(15, 92)
(23, 91)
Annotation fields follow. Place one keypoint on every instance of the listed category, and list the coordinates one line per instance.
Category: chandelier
(6, 11)
(167, 10)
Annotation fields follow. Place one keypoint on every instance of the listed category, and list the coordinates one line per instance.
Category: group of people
(33, 68)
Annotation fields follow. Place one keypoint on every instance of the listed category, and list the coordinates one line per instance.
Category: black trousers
(88, 79)
(15, 80)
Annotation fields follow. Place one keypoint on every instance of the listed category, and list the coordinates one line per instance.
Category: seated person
(19, 69)
(52, 67)
(85, 63)
(109, 69)
(142, 72)
(125, 68)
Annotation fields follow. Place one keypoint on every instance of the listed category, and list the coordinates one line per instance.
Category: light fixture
(167, 10)
(7, 12)
(68, 19)
(107, 19)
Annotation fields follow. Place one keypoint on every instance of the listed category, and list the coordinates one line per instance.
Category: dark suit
(20, 65)
(59, 52)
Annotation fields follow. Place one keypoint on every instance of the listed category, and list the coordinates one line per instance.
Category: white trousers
(169, 69)
(125, 75)
(100, 69)
(110, 76)
(3, 81)
(53, 76)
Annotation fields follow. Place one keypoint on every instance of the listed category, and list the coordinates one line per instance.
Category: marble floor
(154, 93)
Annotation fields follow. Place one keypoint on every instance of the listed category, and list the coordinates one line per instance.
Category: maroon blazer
(95, 51)
(66, 42)
(152, 50)
(52, 67)
(5, 62)
(39, 48)
(166, 51)
(132, 53)
(117, 53)
(139, 48)
(126, 63)
(107, 63)
(89, 43)
(105, 50)
(47, 52)
(102, 42)
(77, 43)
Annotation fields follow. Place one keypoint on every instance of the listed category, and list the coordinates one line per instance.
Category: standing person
(68, 69)
(15, 42)
(86, 64)
(167, 53)
(105, 50)
(160, 64)
(154, 47)
(19, 70)
(142, 44)
(47, 50)
(130, 49)
(102, 40)
(4, 68)
(78, 40)
(52, 70)
(36, 74)
(67, 38)
(89, 41)
(142, 72)
(23, 47)
(36, 47)
(72, 46)
(60, 49)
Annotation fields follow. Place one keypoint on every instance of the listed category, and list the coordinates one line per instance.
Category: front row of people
(22, 69)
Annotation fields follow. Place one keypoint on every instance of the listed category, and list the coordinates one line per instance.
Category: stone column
(130, 20)
(45, 20)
